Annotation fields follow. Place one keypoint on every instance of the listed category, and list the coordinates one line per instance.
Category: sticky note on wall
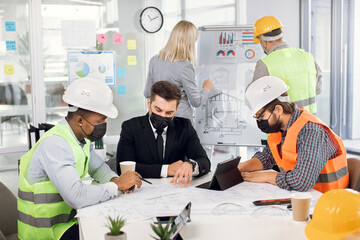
(9, 69)
(101, 38)
(10, 45)
(121, 90)
(10, 26)
(121, 72)
(131, 60)
(118, 38)
(131, 44)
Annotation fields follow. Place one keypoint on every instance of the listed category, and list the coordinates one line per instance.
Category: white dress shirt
(164, 168)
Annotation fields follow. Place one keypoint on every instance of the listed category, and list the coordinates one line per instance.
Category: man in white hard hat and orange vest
(51, 173)
(307, 151)
(294, 66)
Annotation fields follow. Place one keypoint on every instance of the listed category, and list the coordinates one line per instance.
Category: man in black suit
(163, 145)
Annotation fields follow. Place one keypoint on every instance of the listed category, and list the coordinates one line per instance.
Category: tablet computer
(225, 176)
(179, 221)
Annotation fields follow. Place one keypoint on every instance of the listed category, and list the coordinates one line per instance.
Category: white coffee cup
(300, 204)
(127, 166)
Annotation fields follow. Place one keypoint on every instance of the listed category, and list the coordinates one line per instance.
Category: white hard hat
(91, 94)
(263, 90)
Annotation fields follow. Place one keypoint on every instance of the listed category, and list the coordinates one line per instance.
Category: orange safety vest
(335, 173)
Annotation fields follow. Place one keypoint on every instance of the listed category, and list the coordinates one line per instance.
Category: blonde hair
(181, 43)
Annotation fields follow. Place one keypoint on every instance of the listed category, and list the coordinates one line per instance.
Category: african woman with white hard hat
(51, 172)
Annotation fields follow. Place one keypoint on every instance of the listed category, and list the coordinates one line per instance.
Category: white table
(208, 226)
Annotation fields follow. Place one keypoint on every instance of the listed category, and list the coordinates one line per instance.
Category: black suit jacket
(137, 143)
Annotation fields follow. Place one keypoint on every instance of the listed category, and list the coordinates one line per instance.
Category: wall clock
(151, 19)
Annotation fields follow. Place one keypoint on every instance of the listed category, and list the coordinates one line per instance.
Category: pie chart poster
(92, 64)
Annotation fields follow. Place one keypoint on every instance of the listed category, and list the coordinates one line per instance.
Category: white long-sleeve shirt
(54, 160)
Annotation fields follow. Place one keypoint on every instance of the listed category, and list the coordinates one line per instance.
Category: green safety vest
(42, 212)
(297, 69)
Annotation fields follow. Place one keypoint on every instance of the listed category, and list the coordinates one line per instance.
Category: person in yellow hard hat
(294, 66)
(336, 216)
(51, 172)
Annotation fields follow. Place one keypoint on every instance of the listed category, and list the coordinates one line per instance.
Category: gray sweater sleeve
(260, 70)
(193, 94)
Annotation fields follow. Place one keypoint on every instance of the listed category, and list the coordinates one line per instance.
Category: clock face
(151, 19)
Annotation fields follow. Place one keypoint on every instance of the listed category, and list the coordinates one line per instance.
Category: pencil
(142, 179)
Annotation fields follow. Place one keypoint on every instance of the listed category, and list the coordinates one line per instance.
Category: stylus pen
(142, 179)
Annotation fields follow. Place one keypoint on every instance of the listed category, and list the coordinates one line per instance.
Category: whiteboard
(227, 55)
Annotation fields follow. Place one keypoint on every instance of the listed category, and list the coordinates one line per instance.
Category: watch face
(151, 19)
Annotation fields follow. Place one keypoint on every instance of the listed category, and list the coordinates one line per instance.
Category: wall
(132, 103)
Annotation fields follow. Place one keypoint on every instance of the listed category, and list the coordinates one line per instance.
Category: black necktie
(160, 143)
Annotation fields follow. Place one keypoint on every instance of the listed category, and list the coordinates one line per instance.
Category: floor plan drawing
(222, 114)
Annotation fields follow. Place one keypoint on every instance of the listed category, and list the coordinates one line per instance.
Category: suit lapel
(149, 136)
(170, 139)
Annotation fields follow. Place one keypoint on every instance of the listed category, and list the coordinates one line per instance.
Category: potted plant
(115, 225)
(163, 233)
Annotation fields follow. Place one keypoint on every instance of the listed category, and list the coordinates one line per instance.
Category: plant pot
(121, 236)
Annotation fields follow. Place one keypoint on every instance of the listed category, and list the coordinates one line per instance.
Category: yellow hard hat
(336, 215)
(264, 25)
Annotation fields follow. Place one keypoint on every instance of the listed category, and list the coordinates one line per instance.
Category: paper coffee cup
(127, 166)
(300, 204)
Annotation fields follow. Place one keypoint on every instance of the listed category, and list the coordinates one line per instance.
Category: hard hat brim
(111, 113)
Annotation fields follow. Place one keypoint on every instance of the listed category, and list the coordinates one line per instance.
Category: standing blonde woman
(175, 63)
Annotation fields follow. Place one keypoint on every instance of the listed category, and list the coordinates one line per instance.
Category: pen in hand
(142, 179)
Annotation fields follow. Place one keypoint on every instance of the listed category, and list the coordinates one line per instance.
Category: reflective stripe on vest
(297, 69)
(45, 222)
(42, 212)
(334, 175)
(40, 198)
(305, 102)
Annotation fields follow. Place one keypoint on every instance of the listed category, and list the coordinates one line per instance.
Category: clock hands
(152, 18)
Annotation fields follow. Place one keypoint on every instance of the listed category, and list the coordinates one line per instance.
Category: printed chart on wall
(227, 55)
(92, 64)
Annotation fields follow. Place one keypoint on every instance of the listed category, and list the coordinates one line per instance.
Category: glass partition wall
(332, 41)
(15, 79)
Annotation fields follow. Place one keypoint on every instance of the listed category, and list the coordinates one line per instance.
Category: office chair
(354, 173)
(8, 210)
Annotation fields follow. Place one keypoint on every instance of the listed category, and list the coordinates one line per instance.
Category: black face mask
(265, 127)
(159, 122)
(98, 133)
